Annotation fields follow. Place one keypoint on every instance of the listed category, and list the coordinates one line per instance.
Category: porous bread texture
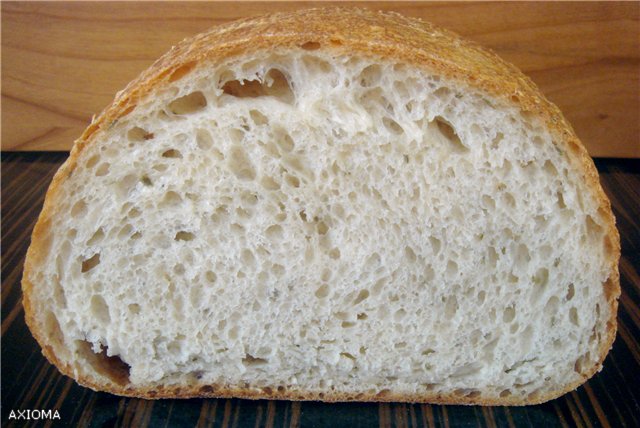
(326, 224)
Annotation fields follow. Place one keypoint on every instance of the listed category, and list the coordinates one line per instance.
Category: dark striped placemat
(29, 382)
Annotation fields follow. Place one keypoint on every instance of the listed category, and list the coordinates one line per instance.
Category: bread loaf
(331, 204)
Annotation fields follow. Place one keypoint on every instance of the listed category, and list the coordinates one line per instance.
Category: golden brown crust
(386, 35)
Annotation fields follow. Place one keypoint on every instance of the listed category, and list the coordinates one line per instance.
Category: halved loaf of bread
(332, 205)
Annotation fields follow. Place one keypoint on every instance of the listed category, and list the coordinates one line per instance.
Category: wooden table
(611, 398)
(62, 62)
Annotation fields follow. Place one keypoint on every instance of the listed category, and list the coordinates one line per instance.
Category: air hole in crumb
(523, 256)
(100, 310)
(392, 126)
(79, 209)
(210, 276)
(237, 229)
(427, 352)
(188, 104)
(274, 232)
(292, 180)
(134, 308)
(509, 314)
(482, 295)
(347, 355)
(240, 165)
(334, 253)
(442, 93)
(343, 316)
(435, 244)
(96, 238)
(103, 169)
(269, 183)
(496, 141)
(510, 200)
(593, 228)
(248, 259)
(452, 268)
(137, 134)
(410, 255)
(90, 263)
(184, 236)
(541, 278)
(400, 314)
(277, 269)
(204, 139)
(370, 76)
(206, 389)
(540, 282)
(364, 294)
(505, 393)
(251, 361)
(551, 306)
(146, 180)
(233, 333)
(573, 316)
(172, 153)
(322, 228)
(550, 168)
(112, 367)
(171, 198)
(93, 160)
(244, 214)
(181, 71)
(237, 135)
(258, 118)
(274, 84)
(571, 292)
(467, 392)
(125, 231)
(580, 363)
(449, 133)
(249, 198)
(451, 307)
(560, 200)
(322, 291)
(309, 254)
(488, 202)
(52, 328)
(284, 141)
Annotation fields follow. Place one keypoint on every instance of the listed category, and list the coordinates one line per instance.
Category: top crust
(389, 36)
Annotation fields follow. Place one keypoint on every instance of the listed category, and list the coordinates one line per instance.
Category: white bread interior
(342, 224)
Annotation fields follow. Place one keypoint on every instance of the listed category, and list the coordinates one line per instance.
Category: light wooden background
(62, 62)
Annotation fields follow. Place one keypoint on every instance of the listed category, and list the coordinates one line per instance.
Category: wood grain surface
(62, 62)
(610, 399)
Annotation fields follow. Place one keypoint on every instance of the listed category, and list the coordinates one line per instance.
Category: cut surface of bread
(331, 204)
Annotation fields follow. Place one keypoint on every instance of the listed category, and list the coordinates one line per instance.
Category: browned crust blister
(389, 36)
